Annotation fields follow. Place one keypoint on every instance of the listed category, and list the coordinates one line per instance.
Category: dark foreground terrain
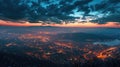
(57, 47)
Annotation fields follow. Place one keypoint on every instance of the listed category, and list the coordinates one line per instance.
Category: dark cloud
(109, 18)
(10, 9)
(110, 11)
(114, 1)
(54, 10)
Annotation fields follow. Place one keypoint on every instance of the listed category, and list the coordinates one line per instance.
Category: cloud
(109, 18)
(109, 43)
(54, 10)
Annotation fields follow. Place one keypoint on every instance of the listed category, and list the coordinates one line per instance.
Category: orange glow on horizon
(76, 24)
(9, 23)
(90, 24)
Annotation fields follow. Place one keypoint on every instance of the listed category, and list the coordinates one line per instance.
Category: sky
(59, 11)
(78, 25)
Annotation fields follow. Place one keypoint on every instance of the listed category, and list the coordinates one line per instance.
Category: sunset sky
(76, 24)
(62, 13)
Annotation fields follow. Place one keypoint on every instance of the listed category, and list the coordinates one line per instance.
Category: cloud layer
(59, 10)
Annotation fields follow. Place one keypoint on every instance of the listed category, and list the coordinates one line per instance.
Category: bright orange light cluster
(40, 37)
(64, 44)
(106, 53)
